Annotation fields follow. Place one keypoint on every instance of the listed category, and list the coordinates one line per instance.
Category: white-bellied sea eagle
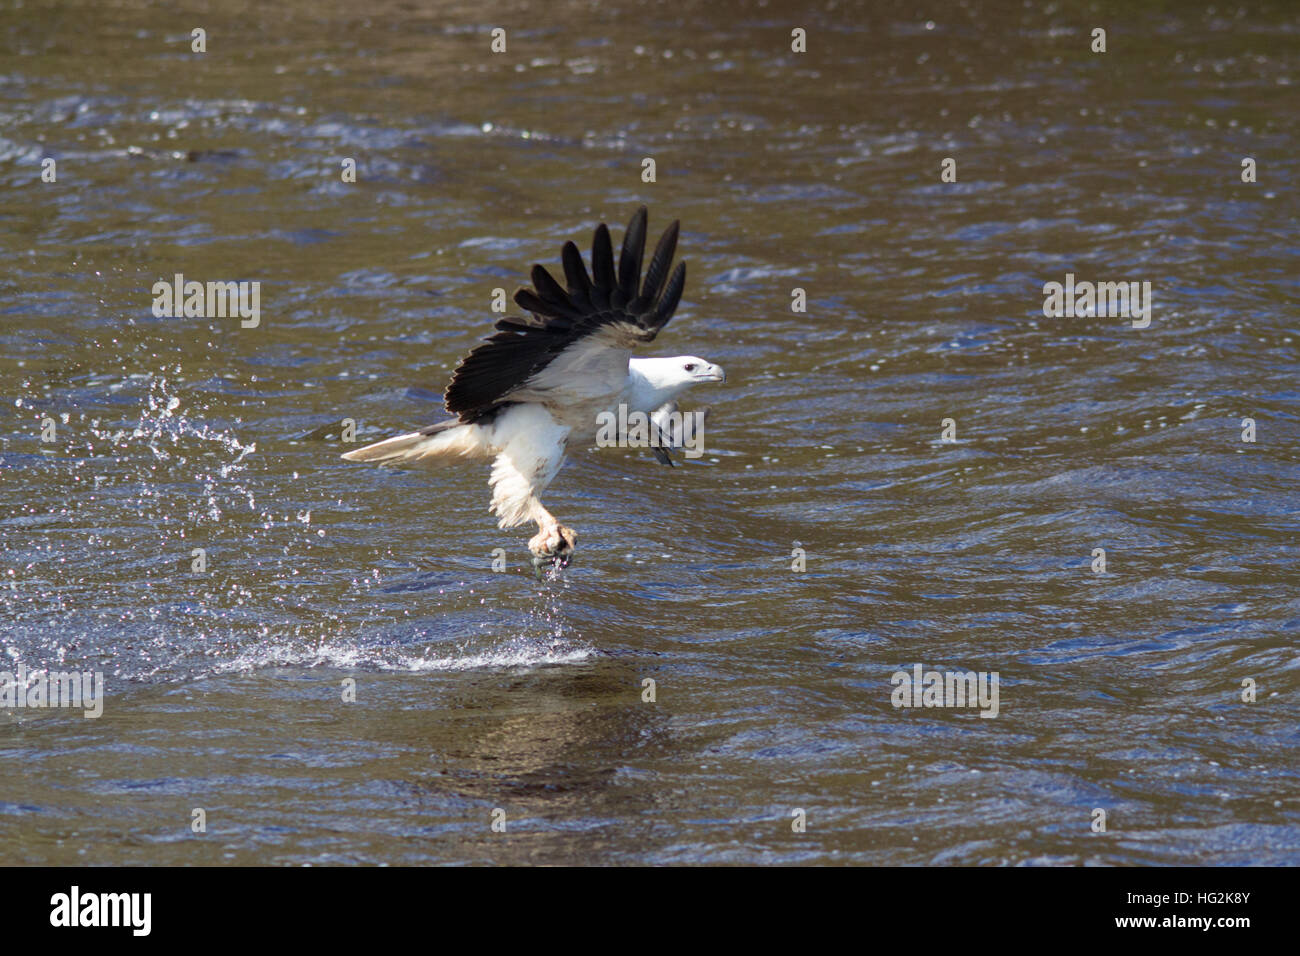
(540, 384)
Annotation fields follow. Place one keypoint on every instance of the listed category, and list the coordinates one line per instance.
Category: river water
(485, 696)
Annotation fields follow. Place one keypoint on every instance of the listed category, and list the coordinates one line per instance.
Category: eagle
(543, 383)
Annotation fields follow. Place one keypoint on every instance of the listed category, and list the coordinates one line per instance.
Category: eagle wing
(582, 334)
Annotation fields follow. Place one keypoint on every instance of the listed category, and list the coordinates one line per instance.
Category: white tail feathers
(438, 446)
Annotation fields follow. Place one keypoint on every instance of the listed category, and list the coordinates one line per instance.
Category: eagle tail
(438, 444)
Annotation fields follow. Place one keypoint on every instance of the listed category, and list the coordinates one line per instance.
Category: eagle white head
(676, 374)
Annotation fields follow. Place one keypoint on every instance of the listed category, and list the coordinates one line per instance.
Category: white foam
(518, 652)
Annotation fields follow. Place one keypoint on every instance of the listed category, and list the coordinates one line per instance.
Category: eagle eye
(690, 366)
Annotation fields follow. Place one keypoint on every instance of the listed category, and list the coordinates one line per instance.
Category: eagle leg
(553, 544)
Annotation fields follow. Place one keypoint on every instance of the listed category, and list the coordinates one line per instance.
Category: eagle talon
(544, 564)
(552, 548)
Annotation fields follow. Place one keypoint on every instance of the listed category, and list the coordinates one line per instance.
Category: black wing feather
(668, 302)
(554, 298)
(602, 259)
(659, 264)
(575, 273)
(629, 258)
(524, 345)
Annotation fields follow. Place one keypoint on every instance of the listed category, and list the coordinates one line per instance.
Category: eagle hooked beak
(714, 374)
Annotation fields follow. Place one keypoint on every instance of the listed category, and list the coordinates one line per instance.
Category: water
(478, 691)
